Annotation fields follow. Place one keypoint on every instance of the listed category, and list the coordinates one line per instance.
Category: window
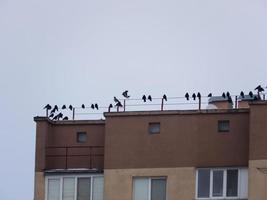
(74, 188)
(154, 128)
(223, 126)
(149, 189)
(222, 183)
(81, 137)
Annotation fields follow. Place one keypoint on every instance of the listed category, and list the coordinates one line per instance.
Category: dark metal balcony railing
(58, 157)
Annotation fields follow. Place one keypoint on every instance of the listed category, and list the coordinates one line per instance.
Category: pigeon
(228, 94)
(96, 106)
(48, 107)
(125, 94)
(144, 98)
(242, 94)
(51, 115)
(54, 109)
(209, 95)
(119, 104)
(149, 98)
(164, 97)
(92, 106)
(186, 96)
(63, 107)
(83, 106)
(223, 95)
(250, 94)
(194, 96)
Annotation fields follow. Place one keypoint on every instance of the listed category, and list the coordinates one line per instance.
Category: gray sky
(62, 51)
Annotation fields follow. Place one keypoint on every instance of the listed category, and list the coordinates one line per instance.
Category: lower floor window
(149, 188)
(222, 183)
(74, 188)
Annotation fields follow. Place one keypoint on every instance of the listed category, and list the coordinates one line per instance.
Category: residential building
(206, 154)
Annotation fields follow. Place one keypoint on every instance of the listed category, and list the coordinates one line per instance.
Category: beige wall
(257, 179)
(39, 186)
(180, 182)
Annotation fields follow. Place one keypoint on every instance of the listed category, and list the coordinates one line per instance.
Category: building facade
(155, 155)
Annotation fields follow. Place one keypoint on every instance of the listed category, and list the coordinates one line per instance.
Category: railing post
(162, 100)
(124, 104)
(73, 113)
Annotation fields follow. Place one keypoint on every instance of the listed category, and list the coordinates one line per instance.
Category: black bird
(116, 100)
(83, 106)
(209, 95)
(63, 107)
(48, 107)
(228, 94)
(259, 88)
(194, 96)
(164, 97)
(186, 96)
(198, 95)
(250, 94)
(242, 94)
(51, 115)
(92, 106)
(54, 109)
(70, 107)
(118, 104)
(223, 95)
(149, 98)
(144, 98)
(110, 106)
(55, 118)
(125, 94)
(96, 106)
(66, 118)
(60, 115)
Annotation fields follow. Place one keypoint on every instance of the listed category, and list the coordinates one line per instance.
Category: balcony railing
(69, 157)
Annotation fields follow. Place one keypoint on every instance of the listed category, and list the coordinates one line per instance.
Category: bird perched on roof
(66, 118)
(110, 106)
(92, 106)
(144, 98)
(83, 106)
(149, 98)
(242, 94)
(164, 97)
(125, 94)
(198, 95)
(186, 96)
(70, 107)
(63, 107)
(210, 95)
(48, 107)
(51, 115)
(194, 96)
(259, 88)
(250, 94)
(58, 116)
(116, 100)
(118, 104)
(96, 106)
(54, 109)
(223, 95)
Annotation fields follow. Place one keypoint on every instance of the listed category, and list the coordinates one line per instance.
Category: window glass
(223, 125)
(217, 183)
(81, 137)
(158, 189)
(98, 188)
(83, 190)
(203, 183)
(68, 189)
(53, 189)
(140, 189)
(232, 182)
(154, 128)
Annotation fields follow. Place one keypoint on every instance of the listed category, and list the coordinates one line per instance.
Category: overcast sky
(66, 51)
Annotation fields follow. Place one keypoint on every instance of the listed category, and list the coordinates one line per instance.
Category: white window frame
(211, 197)
(61, 177)
(149, 184)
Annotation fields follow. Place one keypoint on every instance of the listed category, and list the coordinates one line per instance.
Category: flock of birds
(53, 114)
